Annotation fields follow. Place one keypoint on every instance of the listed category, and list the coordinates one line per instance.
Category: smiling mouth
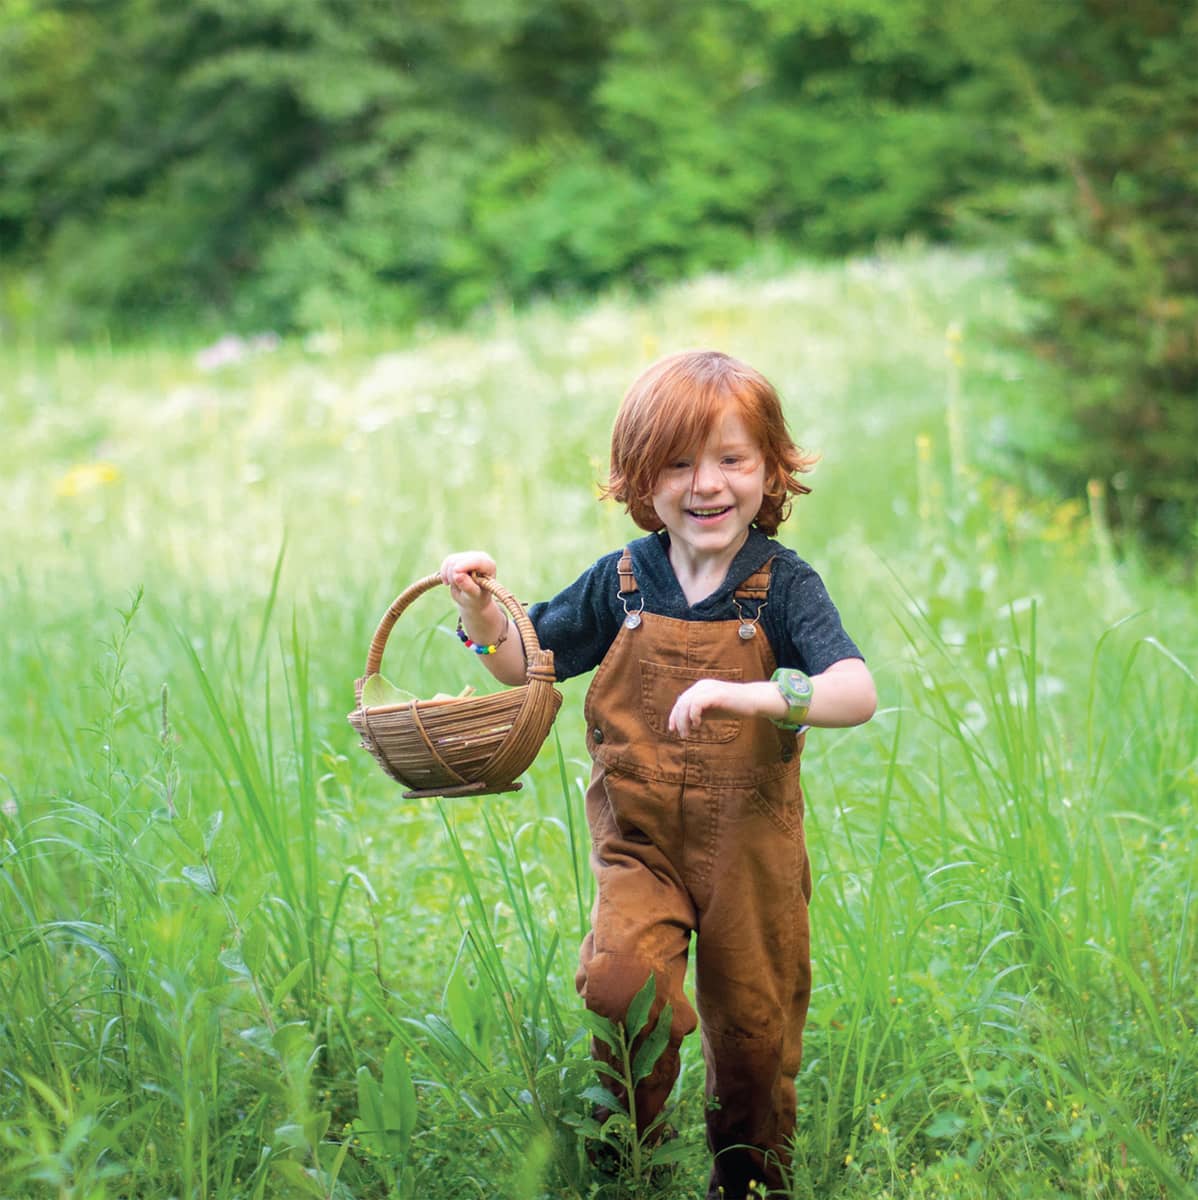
(708, 514)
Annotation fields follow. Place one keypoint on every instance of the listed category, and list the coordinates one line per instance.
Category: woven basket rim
(539, 661)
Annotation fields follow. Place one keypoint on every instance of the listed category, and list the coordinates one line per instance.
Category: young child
(716, 647)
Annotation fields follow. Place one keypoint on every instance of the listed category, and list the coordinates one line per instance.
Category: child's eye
(739, 462)
(679, 464)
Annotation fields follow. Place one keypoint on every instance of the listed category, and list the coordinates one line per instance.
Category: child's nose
(708, 476)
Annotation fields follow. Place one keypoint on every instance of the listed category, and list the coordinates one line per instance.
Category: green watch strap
(797, 691)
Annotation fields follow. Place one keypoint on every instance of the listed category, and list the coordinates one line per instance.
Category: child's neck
(700, 575)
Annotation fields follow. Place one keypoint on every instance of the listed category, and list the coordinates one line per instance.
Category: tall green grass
(237, 964)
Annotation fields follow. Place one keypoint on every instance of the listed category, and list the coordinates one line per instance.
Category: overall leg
(754, 984)
(641, 924)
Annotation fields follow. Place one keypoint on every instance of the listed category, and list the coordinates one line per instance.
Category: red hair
(671, 409)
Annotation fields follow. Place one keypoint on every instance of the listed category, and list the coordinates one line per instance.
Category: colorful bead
(464, 638)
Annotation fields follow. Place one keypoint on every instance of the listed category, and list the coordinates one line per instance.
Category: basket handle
(533, 653)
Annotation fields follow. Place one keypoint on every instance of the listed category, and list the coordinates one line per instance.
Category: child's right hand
(458, 570)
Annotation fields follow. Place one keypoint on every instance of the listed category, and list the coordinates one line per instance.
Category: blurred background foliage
(300, 164)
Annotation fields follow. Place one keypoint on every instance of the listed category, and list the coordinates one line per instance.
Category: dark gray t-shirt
(580, 623)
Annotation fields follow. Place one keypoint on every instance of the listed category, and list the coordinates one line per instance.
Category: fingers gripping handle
(540, 662)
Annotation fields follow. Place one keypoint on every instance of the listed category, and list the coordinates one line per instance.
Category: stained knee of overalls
(608, 983)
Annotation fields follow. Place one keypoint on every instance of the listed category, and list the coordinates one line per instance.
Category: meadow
(237, 964)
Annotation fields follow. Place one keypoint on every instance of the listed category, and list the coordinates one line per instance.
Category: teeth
(707, 512)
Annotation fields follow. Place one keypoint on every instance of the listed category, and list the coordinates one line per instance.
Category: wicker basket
(465, 746)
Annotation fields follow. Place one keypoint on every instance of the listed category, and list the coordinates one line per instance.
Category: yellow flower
(85, 477)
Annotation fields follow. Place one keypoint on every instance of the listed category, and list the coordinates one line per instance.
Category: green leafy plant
(387, 1114)
(636, 1155)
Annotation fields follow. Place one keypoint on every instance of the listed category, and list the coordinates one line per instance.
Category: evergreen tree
(1103, 101)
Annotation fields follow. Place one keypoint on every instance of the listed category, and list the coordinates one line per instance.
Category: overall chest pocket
(662, 684)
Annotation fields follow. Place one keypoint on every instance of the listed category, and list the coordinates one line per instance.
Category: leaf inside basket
(378, 690)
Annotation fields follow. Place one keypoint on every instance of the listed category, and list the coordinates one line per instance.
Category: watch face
(797, 683)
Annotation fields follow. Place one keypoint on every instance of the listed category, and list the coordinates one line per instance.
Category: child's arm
(485, 621)
(842, 695)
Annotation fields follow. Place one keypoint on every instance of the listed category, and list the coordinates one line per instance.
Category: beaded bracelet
(464, 638)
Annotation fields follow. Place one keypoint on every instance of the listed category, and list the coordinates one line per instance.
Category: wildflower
(85, 477)
(231, 349)
(952, 349)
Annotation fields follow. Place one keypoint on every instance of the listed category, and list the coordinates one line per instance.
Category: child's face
(709, 498)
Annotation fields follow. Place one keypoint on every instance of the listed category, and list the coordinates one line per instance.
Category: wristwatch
(797, 691)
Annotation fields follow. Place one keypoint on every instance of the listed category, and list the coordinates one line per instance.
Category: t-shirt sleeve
(580, 623)
(814, 636)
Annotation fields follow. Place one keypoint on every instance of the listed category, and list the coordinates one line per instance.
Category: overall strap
(628, 587)
(628, 583)
(754, 593)
(757, 586)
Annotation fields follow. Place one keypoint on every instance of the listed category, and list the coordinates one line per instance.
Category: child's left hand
(843, 695)
(723, 698)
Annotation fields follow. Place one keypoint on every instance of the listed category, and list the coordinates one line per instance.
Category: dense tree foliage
(295, 163)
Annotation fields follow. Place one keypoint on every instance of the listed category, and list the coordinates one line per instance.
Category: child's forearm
(491, 626)
(843, 695)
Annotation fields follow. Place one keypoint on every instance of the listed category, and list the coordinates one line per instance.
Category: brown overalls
(706, 836)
